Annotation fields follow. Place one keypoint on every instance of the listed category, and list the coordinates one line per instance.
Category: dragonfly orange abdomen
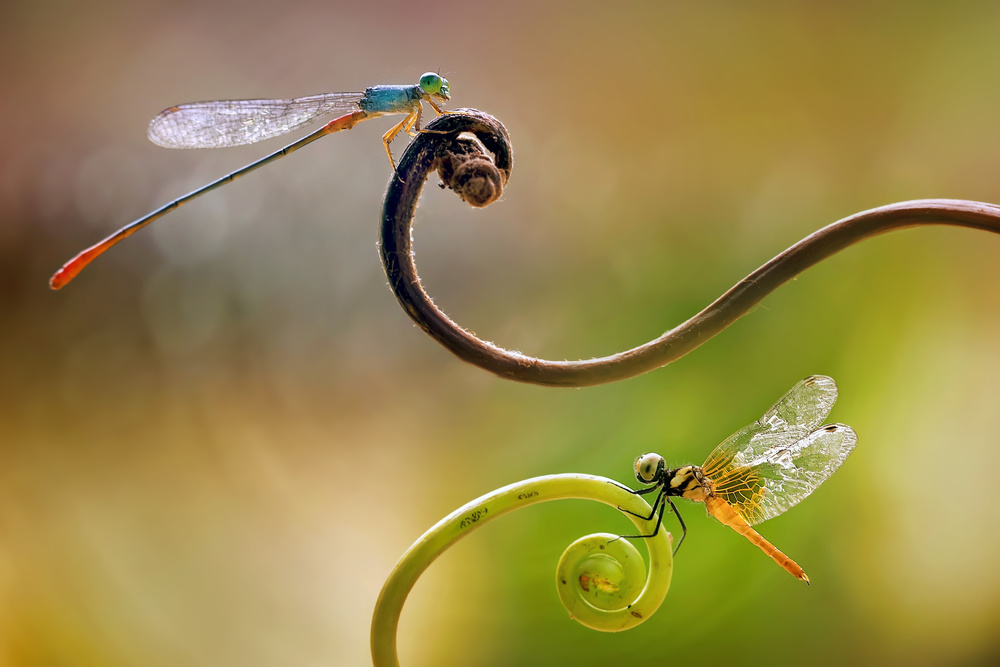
(725, 513)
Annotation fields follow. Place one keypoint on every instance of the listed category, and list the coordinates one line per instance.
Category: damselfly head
(435, 85)
(649, 468)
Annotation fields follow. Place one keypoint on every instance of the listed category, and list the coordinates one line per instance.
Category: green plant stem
(522, 494)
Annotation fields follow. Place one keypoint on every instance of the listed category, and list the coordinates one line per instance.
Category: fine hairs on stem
(479, 180)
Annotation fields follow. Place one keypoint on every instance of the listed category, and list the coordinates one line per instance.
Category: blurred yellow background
(215, 444)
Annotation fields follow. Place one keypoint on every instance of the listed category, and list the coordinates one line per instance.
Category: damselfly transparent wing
(770, 465)
(224, 123)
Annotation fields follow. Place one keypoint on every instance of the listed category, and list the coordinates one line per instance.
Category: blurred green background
(215, 444)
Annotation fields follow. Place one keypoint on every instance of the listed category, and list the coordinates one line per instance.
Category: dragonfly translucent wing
(795, 415)
(784, 476)
(226, 123)
(806, 404)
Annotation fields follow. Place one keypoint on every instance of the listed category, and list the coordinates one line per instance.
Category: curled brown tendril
(479, 180)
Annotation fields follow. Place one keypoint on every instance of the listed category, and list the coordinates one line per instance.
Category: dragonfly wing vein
(793, 417)
(770, 465)
(813, 459)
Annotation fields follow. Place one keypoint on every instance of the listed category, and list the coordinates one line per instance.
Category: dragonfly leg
(684, 530)
(642, 492)
(436, 108)
(391, 134)
(660, 501)
(440, 112)
(414, 123)
(656, 503)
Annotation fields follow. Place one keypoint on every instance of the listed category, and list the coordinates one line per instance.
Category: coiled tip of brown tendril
(470, 173)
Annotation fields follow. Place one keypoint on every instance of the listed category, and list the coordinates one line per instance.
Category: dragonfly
(760, 471)
(225, 123)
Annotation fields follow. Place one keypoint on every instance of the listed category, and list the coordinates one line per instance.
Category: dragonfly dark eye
(648, 468)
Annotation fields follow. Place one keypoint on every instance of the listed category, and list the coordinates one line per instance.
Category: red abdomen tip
(58, 279)
(65, 274)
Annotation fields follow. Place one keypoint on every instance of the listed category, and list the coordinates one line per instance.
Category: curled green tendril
(600, 577)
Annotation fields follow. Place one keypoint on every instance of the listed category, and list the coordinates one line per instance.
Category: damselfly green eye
(648, 467)
(431, 83)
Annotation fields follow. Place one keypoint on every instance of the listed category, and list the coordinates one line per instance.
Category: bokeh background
(215, 444)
